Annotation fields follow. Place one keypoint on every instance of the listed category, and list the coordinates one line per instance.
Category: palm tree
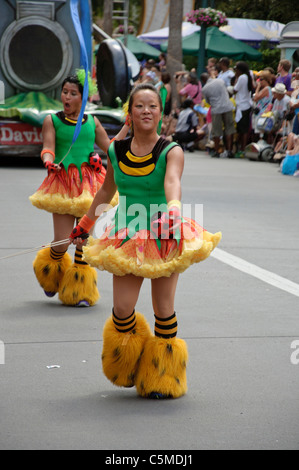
(108, 26)
(174, 53)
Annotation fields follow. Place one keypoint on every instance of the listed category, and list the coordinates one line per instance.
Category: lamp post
(202, 47)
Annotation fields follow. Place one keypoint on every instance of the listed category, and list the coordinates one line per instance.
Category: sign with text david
(19, 133)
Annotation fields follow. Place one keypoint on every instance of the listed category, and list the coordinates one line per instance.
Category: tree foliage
(282, 11)
(275, 10)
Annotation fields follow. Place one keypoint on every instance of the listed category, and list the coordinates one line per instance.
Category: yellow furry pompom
(162, 368)
(79, 283)
(121, 352)
(49, 272)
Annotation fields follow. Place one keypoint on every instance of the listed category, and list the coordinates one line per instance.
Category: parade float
(39, 47)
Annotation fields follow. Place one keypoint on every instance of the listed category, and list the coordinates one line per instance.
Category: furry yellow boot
(49, 272)
(122, 351)
(79, 286)
(162, 368)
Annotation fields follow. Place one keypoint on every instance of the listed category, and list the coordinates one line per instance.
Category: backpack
(290, 164)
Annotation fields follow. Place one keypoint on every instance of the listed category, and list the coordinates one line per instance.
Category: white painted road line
(257, 272)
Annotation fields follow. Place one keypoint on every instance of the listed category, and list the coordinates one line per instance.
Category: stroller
(261, 150)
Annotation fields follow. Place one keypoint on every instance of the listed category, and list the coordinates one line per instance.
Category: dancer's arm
(49, 139)
(99, 205)
(172, 185)
(104, 195)
(102, 140)
(174, 171)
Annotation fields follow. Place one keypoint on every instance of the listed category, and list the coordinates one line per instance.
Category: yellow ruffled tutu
(141, 256)
(65, 192)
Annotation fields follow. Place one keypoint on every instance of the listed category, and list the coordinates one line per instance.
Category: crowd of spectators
(220, 111)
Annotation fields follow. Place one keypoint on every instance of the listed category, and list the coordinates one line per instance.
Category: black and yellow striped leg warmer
(124, 325)
(78, 257)
(166, 327)
(162, 369)
(123, 345)
(49, 267)
(56, 255)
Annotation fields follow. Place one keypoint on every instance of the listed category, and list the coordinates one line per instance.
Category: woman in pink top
(193, 89)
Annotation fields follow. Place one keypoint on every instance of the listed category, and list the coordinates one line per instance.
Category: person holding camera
(192, 90)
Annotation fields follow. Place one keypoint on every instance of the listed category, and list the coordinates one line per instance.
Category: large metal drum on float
(38, 46)
(117, 69)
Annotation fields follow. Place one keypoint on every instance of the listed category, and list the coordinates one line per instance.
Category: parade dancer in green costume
(75, 174)
(158, 244)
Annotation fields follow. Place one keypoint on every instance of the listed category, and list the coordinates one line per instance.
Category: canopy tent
(253, 32)
(155, 38)
(249, 31)
(139, 48)
(218, 44)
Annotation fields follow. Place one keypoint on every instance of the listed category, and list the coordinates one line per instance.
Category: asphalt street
(242, 332)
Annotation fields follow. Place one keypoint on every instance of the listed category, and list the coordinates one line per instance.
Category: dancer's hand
(95, 162)
(81, 231)
(52, 167)
(166, 225)
(78, 235)
(174, 218)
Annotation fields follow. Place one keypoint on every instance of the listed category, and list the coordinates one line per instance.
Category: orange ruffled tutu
(65, 192)
(141, 255)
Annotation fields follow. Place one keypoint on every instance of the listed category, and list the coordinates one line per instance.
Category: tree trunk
(174, 53)
(108, 26)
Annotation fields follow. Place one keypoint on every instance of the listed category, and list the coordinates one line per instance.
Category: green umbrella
(139, 48)
(218, 44)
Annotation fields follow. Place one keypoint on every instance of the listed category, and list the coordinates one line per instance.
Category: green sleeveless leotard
(83, 146)
(140, 183)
